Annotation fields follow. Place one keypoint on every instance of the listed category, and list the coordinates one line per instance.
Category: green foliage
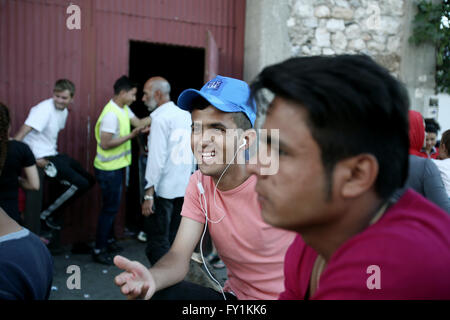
(428, 28)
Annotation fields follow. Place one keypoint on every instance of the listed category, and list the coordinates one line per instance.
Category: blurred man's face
(149, 98)
(296, 196)
(62, 99)
(128, 97)
(430, 141)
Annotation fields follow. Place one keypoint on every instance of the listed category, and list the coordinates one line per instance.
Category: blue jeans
(111, 185)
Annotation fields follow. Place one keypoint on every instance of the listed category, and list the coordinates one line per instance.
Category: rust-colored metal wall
(36, 49)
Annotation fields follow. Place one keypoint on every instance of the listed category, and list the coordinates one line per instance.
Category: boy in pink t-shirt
(252, 250)
(222, 192)
(343, 151)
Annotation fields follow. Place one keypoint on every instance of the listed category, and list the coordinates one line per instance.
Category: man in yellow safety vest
(113, 134)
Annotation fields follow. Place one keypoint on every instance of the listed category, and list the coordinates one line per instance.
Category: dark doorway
(183, 67)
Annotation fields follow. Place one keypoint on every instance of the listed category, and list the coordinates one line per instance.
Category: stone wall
(327, 27)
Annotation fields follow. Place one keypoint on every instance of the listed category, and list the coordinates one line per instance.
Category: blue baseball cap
(226, 94)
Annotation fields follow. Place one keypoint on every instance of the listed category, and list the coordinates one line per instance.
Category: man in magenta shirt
(343, 151)
(222, 196)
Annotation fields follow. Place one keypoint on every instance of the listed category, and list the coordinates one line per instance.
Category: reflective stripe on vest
(104, 159)
(117, 157)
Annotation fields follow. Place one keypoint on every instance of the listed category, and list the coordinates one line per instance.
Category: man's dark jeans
(69, 170)
(111, 185)
(162, 226)
(185, 290)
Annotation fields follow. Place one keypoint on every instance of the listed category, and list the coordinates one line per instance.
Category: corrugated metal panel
(36, 49)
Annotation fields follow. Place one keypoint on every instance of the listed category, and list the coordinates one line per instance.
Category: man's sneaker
(113, 247)
(103, 257)
(52, 224)
(142, 236)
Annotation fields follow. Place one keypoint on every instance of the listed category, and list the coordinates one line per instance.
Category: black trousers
(33, 206)
(185, 290)
(78, 182)
(162, 226)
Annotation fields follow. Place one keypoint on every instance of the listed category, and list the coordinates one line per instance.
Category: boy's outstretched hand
(136, 281)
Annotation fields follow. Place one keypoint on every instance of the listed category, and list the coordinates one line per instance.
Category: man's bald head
(156, 92)
(159, 83)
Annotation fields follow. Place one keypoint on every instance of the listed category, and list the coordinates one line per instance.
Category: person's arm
(23, 131)
(147, 205)
(433, 186)
(156, 161)
(144, 122)
(31, 180)
(108, 142)
(139, 282)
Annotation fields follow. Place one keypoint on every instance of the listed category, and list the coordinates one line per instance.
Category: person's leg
(157, 229)
(78, 168)
(68, 170)
(33, 206)
(111, 187)
(142, 236)
(185, 290)
(175, 218)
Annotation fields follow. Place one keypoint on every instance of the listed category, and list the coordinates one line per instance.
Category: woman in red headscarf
(416, 133)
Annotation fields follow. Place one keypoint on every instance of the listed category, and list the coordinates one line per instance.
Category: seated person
(26, 266)
(220, 195)
(343, 150)
(40, 132)
(17, 156)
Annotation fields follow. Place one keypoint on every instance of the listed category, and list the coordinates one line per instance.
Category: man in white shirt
(40, 132)
(169, 166)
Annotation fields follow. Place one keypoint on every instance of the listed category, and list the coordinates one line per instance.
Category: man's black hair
(123, 83)
(431, 126)
(354, 106)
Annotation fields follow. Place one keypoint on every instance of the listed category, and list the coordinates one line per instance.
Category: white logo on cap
(214, 84)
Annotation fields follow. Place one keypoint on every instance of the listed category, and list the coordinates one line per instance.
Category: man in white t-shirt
(113, 134)
(40, 132)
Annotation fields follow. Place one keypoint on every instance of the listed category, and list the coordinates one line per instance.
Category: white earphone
(244, 142)
(204, 208)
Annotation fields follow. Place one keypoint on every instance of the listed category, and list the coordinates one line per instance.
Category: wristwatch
(147, 197)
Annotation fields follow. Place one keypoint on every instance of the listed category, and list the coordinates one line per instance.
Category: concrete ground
(97, 280)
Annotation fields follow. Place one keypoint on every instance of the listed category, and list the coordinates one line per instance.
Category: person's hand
(145, 130)
(136, 281)
(135, 132)
(147, 207)
(41, 163)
